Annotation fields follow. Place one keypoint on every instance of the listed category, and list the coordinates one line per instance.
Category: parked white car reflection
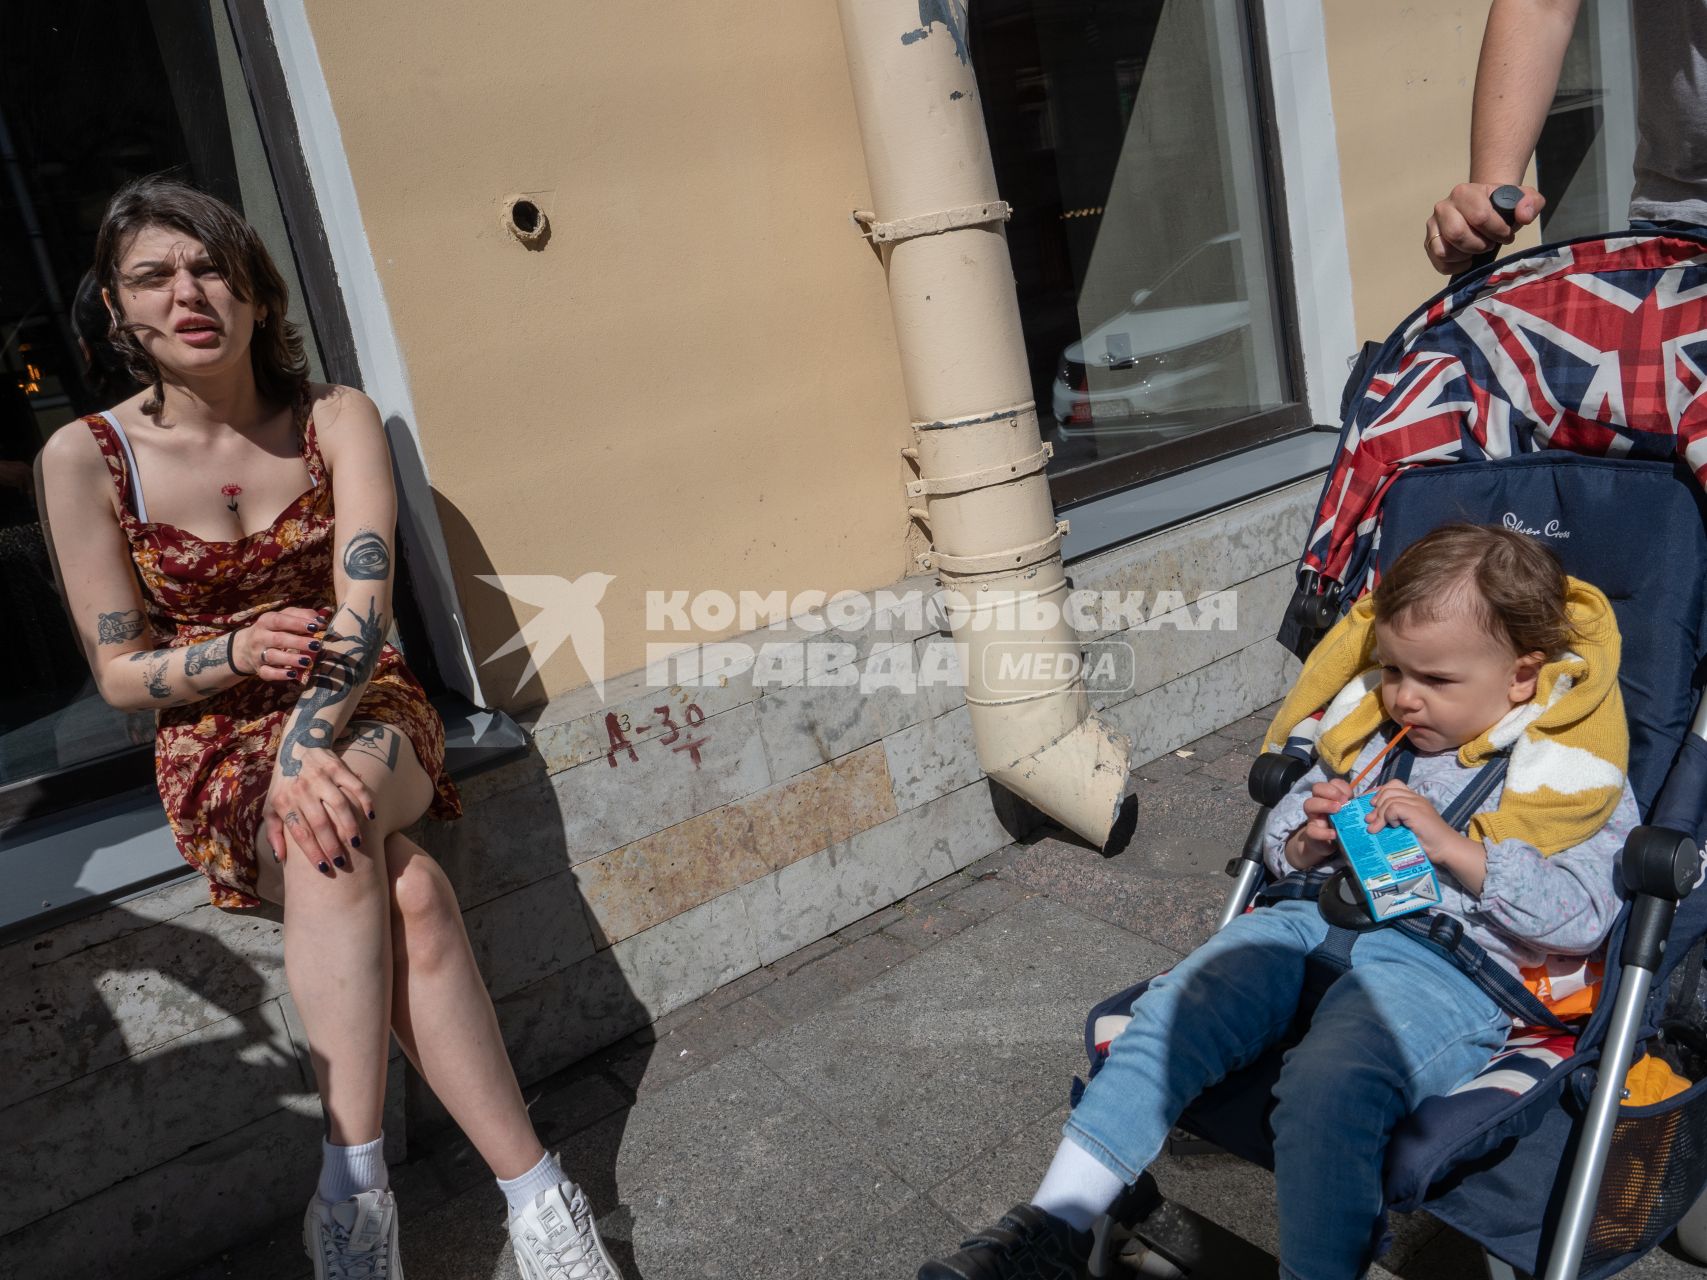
(1156, 368)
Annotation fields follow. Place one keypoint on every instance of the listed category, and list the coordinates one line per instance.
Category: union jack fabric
(1527, 1060)
(1594, 346)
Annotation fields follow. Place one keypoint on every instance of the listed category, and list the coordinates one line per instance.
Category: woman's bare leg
(444, 1018)
(436, 1002)
(337, 945)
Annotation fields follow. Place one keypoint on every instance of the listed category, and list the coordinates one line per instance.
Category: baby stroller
(1562, 392)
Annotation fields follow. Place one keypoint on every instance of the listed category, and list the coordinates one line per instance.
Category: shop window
(91, 95)
(1585, 158)
(1127, 137)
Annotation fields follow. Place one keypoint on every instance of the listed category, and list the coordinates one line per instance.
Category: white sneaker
(554, 1238)
(355, 1239)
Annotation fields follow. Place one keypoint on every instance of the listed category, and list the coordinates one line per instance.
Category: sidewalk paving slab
(857, 1107)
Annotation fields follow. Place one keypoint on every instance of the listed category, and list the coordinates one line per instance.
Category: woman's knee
(427, 920)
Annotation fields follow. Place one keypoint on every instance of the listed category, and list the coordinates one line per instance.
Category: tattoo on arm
(117, 628)
(366, 557)
(207, 655)
(341, 672)
(154, 665)
(377, 741)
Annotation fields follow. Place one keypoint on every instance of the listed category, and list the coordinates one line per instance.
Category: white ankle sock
(1078, 1187)
(521, 1191)
(349, 1171)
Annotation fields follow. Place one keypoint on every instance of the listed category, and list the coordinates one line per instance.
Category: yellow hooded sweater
(1570, 744)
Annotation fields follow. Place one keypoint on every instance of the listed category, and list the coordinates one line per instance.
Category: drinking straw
(1364, 773)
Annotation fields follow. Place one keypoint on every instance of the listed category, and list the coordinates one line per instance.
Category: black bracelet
(231, 657)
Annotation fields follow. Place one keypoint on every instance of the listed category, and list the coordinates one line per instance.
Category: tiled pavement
(853, 1108)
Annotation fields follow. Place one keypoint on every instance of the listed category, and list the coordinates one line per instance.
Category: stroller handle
(1505, 200)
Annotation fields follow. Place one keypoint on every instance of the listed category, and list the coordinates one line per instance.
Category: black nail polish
(355, 842)
(305, 662)
(314, 626)
(370, 814)
(314, 646)
(325, 870)
(342, 865)
(275, 855)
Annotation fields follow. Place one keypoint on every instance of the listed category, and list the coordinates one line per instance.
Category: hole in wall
(526, 221)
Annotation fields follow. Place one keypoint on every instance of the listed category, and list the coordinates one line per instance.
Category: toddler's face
(1449, 679)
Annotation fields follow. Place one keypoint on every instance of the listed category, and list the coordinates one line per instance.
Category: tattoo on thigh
(376, 740)
(117, 628)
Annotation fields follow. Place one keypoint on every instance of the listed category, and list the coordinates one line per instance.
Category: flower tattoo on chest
(232, 492)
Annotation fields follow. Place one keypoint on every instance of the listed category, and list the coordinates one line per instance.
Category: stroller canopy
(1596, 346)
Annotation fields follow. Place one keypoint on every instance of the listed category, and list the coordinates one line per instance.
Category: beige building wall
(694, 384)
(1402, 78)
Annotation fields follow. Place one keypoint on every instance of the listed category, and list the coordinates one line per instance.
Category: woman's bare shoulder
(71, 452)
(346, 423)
(333, 405)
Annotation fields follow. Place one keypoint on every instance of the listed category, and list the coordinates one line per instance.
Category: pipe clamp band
(997, 560)
(1035, 695)
(933, 224)
(969, 480)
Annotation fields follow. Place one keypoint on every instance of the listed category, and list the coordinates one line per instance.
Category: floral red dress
(214, 758)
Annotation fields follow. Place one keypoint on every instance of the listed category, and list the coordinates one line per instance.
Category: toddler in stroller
(1477, 642)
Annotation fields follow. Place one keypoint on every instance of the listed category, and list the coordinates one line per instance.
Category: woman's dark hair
(275, 349)
(106, 374)
(1508, 584)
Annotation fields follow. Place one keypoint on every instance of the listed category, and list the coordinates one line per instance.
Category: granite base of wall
(650, 849)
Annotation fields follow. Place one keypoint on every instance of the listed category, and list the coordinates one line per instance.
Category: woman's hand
(320, 807)
(281, 645)
(1315, 842)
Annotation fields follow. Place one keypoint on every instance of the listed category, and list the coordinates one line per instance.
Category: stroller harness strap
(1441, 933)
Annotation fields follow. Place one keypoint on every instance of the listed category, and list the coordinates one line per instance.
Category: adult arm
(1523, 47)
(91, 560)
(316, 798)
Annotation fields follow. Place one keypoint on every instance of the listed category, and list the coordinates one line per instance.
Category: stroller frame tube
(1246, 870)
(1577, 1212)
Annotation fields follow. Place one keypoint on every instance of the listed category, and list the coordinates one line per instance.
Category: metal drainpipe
(996, 546)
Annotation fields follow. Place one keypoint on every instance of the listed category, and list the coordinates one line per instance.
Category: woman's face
(188, 320)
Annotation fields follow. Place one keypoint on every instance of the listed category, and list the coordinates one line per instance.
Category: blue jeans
(1402, 1025)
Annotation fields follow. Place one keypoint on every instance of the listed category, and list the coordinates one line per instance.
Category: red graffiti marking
(692, 746)
(617, 729)
(618, 741)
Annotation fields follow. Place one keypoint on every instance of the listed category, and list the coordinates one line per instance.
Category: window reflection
(1123, 138)
(156, 86)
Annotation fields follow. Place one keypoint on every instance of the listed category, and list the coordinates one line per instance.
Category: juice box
(1391, 869)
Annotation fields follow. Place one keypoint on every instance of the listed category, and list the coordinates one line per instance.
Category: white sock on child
(1078, 1188)
(521, 1191)
(348, 1171)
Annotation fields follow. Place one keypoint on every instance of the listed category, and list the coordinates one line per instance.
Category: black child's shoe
(1027, 1244)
